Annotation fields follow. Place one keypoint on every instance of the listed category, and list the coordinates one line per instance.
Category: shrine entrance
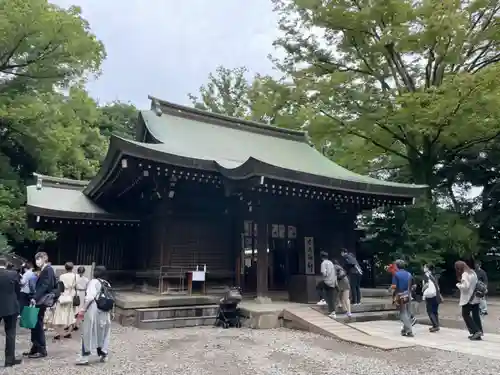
(282, 255)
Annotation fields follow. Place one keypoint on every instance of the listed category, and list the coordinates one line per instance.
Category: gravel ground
(208, 350)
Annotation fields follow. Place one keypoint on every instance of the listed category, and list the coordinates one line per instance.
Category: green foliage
(226, 92)
(414, 81)
(5, 248)
(422, 234)
(42, 41)
(262, 99)
(48, 122)
(119, 119)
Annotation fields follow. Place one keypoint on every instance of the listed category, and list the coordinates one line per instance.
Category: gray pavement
(207, 350)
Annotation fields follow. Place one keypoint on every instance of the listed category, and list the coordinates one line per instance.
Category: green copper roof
(231, 143)
(64, 201)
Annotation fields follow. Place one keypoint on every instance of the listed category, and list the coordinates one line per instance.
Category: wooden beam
(262, 255)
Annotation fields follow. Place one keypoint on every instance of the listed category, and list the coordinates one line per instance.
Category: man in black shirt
(9, 310)
(483, 277)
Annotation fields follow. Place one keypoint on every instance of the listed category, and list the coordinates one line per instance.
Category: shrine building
(251, 203)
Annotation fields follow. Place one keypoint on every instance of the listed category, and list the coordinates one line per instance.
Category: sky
(167, 48)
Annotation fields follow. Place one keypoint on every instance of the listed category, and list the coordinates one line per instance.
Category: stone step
(180, 322)
(161, 313)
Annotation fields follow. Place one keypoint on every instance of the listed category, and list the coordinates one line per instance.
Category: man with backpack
(355, 272)
(96, 315)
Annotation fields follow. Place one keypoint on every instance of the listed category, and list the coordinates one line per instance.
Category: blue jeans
(405, 316)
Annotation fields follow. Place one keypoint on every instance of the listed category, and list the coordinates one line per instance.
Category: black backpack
(480, 290)
(105, 300)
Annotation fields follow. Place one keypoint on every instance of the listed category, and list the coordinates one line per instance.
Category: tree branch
(362, 136)
(453, 113)
(468, 144)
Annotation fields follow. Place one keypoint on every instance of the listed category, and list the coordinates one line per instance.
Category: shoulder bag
(76, 297)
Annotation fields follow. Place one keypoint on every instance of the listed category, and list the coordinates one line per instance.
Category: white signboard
(281, 231)
(198, 275)
(309, 255)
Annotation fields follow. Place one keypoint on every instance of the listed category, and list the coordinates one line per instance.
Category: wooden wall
(184, 241)
(115, 248)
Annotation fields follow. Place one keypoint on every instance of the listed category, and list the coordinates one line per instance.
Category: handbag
(29, 317)
(76, 297)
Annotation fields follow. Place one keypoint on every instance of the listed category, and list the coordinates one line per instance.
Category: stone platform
(151, 311)
(129, 304)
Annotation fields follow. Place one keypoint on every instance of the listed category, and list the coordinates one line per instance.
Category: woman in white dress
(81, 287)
(64, 313)
(96, 326)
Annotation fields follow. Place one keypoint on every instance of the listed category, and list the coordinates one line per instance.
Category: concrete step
(181, 322)
(161, 313)
(382, 305)
(375, 292)
(368, 316)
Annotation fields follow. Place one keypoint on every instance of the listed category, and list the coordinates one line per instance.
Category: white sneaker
(333, 315)
(82, 361)
(321, 303)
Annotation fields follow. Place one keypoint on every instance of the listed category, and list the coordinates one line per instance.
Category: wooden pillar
(262, 256)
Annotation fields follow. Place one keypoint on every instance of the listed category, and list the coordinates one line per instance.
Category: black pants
(9, 323)
(38, 334)
(24, 300)
(432, 307)
(327, 293)
(472, 318)
(355, 282)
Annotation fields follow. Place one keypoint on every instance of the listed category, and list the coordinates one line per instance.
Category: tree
(46, 43)
(5, 248)
(119, 119)
(263, 98)
(48, 123)
(226, 92)
(422, 234)
(415, 81)
(51, 133)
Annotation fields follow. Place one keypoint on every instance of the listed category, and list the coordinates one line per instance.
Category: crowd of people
(64, 304)
(341, 283)
(340, 287)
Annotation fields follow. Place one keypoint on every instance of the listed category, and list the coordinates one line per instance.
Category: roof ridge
(60, 182)
(234, 122)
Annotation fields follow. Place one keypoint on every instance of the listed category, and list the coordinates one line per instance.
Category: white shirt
(328, 272)
(25, 281)
(466, 286)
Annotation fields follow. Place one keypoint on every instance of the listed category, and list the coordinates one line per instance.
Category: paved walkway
(454, 340)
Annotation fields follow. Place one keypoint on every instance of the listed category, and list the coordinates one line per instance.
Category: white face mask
(39, 262)
(426, 269)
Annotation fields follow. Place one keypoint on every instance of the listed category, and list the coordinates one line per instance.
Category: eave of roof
(65, 203)
(173, 154)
